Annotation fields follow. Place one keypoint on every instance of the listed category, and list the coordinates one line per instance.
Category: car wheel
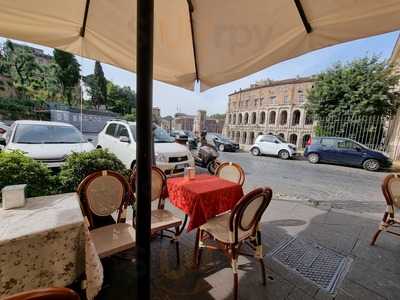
(313, 158)
(255, 151)
(371, 165)
(221, 147)
(284, 154)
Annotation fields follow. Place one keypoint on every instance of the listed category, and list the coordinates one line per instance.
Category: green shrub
(17, 168)
(80, 165)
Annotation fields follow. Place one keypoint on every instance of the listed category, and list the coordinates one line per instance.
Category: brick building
(275, 107)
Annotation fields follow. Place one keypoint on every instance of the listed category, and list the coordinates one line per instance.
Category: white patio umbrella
(212, 41)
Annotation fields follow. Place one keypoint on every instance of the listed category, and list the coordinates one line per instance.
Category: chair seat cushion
(163, 219)
(112, 239)
(218, 227)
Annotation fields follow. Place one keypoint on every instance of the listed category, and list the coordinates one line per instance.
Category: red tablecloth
(203, 197)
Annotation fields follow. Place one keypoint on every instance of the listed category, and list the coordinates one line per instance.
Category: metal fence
(368, 130)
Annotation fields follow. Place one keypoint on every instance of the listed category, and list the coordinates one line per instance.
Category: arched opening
(272, 117)
(240, 119)
(293, 139)
(283, 118)
(232, 136)
(270, 133)
(281, 135)
(229, 119)
(309, 120)
(253, 118)
(244, 137)
(262, 117)
(251, 141)
(296, 118)
(234, 119)
(246, 118)
(237, 139)
(260, 133)
(306, 137)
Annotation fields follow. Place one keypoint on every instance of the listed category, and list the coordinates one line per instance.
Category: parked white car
(273, 145)
(48, 142)
(3, 131)
(119, 137)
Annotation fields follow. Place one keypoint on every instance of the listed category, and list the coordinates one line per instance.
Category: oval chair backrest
(248, 211)
(231, 172)
(391, 190)
(158, 182)
(104, 193)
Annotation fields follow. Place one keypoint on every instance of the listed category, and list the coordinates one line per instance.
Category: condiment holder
(13, 196)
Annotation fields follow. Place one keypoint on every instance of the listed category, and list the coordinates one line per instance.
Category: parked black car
(345, 152)
(221, 142)
(184, 137)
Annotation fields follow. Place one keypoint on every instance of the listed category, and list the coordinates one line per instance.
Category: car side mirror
(2, 141)
(124, 139)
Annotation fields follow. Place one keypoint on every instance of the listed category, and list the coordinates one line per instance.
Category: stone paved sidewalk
(373, 274)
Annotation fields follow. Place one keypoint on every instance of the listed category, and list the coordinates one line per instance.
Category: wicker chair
(103, 194)
(46, 294)
(234, 229)
(391, 191)
(231, 172)
(161, 219)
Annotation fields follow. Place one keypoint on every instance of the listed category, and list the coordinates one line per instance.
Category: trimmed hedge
(17, 168)
(80, 165)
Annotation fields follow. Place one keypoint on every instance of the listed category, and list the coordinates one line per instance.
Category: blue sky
(171, 99)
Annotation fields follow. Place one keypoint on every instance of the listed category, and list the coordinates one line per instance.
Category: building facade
(270, 107)
(183, 122)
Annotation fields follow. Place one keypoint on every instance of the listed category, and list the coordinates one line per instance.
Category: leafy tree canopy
(121, 100)
(67, 73)
(363, 87)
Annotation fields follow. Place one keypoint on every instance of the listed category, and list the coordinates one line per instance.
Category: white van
(119, 137)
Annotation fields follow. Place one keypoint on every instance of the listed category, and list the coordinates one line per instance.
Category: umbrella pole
(144, 86)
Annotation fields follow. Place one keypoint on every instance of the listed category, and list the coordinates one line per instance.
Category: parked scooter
(206, 155)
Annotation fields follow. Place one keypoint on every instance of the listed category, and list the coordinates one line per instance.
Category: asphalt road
(298, 180)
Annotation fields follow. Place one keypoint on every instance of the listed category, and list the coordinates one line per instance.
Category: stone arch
(309, 120)
(272, 117)
(237, 138)
(251, 138)
(253, 118)
(283, 117)
(229, 119)
(240, 119)
(244, 137)
(234, 119)
(293, 139)
(262, 117)
(296, 117)
(305, 139)
(246, 118)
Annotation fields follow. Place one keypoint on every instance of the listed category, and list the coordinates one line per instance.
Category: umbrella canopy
(215, 41)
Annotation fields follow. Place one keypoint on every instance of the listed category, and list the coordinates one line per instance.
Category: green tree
(121, 100)
(67, 73)
(97, 86)
(363, 87)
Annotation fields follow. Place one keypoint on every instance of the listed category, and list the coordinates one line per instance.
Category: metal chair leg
(178, 261)
(374, 238)
(235, 274)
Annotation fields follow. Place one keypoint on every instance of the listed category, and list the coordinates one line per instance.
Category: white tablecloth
(45, 244)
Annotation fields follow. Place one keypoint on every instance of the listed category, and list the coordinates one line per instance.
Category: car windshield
(222, 138)
(47, 134)
(161, 136)
(280, 138)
